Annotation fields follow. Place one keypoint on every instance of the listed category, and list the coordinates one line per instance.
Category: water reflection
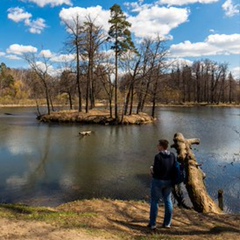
(45, 164)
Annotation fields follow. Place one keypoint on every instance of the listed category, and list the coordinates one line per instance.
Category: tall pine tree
(120, 35)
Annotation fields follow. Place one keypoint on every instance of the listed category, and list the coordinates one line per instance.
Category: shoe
(166, 226)
(152, 227)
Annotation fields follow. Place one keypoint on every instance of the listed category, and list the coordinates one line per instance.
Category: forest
(110, 68)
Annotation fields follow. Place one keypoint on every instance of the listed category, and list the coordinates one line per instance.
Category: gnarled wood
(195, 185)
(85, 133)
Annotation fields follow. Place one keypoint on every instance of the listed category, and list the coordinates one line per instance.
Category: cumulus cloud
(138, 6)
(17, 49)
(62, 58)
(230, 9)
(176, 62)
(49, 68)
(155, 20)
(52, 3)
(57, 58)
(185, 2)
(216, 44)
(13, 57)
(36, 26)
(236, 72)
(19, 15)
(46, 54)
(99, 16)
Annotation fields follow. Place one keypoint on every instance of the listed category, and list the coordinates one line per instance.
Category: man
(162, 184)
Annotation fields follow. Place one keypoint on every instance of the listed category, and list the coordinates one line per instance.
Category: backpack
(178, 173)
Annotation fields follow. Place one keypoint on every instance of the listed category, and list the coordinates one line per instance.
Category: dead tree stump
(195, 185)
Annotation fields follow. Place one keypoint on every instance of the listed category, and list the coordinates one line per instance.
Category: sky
(195, 29)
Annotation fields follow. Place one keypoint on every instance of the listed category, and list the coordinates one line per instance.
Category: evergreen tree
(120, 36)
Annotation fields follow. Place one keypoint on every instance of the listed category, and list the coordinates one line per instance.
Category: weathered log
(85, 133)
(195, 185)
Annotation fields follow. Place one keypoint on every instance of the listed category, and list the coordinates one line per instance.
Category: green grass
(62, 219)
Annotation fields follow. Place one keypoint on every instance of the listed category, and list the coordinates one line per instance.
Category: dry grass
(111, 219)
(130, 218)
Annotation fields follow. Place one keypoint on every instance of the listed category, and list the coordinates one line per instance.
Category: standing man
(162, 184)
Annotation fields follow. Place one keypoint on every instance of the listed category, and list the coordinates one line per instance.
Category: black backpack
(178, 173)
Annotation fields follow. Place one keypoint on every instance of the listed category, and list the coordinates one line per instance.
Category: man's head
(163, 144)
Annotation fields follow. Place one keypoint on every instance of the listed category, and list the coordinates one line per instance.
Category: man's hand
(151, 170)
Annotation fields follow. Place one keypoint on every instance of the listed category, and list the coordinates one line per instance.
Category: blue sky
(197, 29)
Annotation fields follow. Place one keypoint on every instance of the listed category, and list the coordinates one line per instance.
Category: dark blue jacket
(163, 166)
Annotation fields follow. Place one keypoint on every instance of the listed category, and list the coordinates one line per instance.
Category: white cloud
(2, 54)
(57, 58)
(225, 41)
(46, 54)
(13, 57)
(47, 68)
(99, 16)
(138, 6)
(52, 3)
(154, 20)
(62, 58)
(36, 26)
(18, 15)
(211, 30)
(185, 2)
(176, 62)
(236, 72)
(17, 49)
(215, 44)
(231, 9)
(149, 21)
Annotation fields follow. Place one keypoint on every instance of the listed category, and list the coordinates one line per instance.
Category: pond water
(50, 164)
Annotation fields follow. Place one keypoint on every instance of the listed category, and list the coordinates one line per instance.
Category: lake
(50, 164)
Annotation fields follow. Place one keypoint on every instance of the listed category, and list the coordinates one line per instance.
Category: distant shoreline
(148, 105)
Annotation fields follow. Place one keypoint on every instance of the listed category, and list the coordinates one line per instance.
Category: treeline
(199, 83)
(125, 78)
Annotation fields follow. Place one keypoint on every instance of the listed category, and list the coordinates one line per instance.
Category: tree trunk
(116, 86)
(195, 185)
(70, 100)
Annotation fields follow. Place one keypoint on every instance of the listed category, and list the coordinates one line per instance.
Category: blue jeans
(161, 188)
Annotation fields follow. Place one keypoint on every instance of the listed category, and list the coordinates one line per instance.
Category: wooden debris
(85, 133)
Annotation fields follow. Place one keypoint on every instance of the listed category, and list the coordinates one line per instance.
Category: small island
(96, 116)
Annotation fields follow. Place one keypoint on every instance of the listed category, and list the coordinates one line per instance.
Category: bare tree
(75, 29)
(41, 66)
(68, 85)
(92, 37)
(153, 53)
(130, 62)
(104, 72)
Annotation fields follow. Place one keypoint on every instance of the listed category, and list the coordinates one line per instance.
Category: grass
(49, 215)
(127, 220)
